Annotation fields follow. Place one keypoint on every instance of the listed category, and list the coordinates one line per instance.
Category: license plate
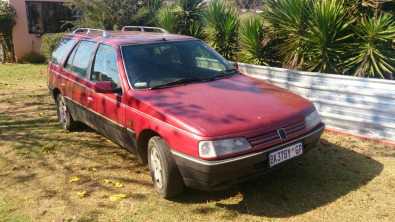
(285, 154)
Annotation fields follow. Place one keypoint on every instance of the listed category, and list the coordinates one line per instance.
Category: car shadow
(314, 180)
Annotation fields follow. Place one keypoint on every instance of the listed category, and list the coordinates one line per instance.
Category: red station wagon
(179, 106)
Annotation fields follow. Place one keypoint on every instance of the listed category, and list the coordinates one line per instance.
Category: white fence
(356, 105)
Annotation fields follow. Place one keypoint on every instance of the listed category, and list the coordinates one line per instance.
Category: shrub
(222, 28)
(252, 41)
(167, 18)
(327, 36)
(34, 58)
(372, 54)
(285, 20)
(185, 17)
(49, 42)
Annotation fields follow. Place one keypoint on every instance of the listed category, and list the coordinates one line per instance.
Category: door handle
(90, 99)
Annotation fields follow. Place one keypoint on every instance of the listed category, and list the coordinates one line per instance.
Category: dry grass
(47, 174)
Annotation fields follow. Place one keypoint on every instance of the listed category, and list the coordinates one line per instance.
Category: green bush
(223, 28)
(49, 42)
(252, 41)
(34, 58)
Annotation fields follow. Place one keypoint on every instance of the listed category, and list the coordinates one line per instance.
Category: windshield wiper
(178, 82)
(223, 74)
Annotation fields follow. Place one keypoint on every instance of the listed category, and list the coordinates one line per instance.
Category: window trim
(149, 43)
(67, 52)
(94, 60)
(28, 14)
(88, 70)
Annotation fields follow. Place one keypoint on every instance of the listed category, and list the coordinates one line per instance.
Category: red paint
(184, 115)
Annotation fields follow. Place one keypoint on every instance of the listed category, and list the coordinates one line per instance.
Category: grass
(47, 174)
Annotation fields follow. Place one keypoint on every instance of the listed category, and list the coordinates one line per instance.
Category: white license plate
(286, 153)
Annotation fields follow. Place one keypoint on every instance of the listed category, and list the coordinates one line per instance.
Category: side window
(79, 59)
(105, 66)
(62, 50)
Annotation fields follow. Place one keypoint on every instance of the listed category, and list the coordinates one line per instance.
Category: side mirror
(105, 87)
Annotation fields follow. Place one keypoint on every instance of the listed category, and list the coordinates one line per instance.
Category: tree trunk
(8, 48)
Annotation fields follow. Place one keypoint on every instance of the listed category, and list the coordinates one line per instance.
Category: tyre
(64, 116)
(164, 172)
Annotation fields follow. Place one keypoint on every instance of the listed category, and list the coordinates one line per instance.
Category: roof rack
(143, 29)
(89, 31)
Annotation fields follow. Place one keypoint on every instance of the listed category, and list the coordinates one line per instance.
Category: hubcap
(62, 111)
(156, 167)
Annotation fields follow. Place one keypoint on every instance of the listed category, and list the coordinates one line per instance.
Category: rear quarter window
(62, 50)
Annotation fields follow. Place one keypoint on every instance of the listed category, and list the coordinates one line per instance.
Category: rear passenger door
(57, 74)
(78, 65)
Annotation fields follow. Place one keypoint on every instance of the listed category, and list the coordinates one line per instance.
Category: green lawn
(47, 174)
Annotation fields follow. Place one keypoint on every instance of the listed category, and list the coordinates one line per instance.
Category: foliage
(372, 54)
(7, 22)
(33, 58)
(185, 17)
(222, 28)
(49, 42)
(326, 36)
(167, 18)
(253, 41)
(285, 20)
(113, 14)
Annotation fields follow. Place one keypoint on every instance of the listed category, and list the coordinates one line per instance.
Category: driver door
(109, 106)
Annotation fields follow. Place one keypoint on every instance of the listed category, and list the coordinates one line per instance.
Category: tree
(7, 22)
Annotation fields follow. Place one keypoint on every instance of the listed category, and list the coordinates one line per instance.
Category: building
(35, 18)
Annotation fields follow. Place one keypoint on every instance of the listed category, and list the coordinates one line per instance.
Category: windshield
(167, 64)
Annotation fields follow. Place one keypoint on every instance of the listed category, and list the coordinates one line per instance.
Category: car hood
(223, 107)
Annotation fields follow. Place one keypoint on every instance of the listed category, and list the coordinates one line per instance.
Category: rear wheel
(164, 172)
(64, 116)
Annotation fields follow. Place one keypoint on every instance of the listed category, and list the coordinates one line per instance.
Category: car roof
(119, 38)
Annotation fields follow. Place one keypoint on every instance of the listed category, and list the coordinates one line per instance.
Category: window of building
(49, 17)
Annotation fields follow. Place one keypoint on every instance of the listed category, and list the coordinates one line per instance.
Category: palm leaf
(373, 54)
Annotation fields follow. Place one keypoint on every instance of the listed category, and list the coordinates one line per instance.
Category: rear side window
(105, 67)
(62, 50)
(79, 59)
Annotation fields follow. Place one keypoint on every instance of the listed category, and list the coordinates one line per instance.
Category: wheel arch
(55, 93)
(142, 143)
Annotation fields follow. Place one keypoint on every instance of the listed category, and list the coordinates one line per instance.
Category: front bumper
(215, 175)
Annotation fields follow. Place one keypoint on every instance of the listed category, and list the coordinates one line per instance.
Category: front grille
(270, 138)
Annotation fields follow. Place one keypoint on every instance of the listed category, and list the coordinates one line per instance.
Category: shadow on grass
(319, 178)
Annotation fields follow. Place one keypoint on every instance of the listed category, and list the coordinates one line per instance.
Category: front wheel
(164, 172)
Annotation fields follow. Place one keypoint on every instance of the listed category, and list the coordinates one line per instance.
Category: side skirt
(113, 131)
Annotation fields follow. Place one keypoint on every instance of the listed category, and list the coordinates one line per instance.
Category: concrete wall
(24, 42)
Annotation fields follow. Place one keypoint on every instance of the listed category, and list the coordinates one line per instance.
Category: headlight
(312, 120)
(213, 149)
